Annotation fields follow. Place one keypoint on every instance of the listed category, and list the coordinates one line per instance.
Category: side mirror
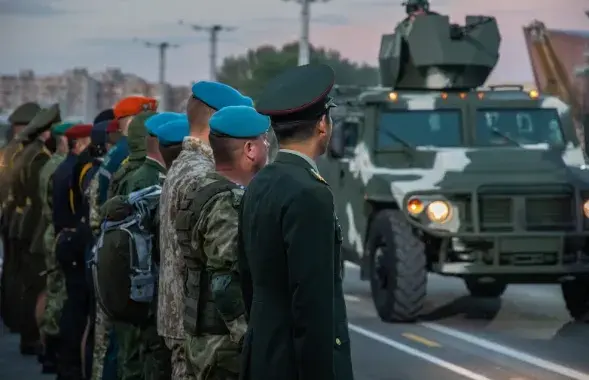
(337, 143)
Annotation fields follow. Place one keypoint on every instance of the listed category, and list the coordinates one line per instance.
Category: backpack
(124, 272)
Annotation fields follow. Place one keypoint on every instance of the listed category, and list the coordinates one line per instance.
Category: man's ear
(322, 125)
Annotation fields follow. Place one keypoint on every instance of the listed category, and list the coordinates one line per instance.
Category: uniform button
(338, 341)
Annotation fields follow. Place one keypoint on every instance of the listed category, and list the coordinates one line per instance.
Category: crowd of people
(198, 245)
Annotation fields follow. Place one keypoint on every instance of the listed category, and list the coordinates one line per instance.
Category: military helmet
(413, 5)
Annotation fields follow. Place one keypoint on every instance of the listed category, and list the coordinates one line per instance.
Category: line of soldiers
(157, 245)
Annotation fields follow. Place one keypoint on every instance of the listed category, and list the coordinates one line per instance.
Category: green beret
(24, 113)
(60, 129)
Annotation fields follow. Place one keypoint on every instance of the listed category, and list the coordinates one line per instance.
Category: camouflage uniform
(208, 239)
(130, 361)
(55, 281)
(192, 163)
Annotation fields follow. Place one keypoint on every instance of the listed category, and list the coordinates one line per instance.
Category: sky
(50, 36)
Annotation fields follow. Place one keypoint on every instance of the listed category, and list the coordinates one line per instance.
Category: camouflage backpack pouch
(123, 270)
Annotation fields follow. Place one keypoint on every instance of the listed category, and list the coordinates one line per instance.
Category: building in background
(81, 95)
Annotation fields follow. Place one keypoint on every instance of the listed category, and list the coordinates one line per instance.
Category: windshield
(522, 126)
(419, 128)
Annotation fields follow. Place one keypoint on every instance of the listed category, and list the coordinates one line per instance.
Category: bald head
(198, 116)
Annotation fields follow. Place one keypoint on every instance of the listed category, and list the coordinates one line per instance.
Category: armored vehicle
(433, 173)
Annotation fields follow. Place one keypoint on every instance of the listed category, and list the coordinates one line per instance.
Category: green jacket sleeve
(308, 227)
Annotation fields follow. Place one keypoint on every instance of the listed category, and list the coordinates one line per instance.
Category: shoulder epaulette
(318, 176)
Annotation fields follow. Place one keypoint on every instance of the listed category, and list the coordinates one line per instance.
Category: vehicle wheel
(576, 298)
(398, 275)
(493, 289)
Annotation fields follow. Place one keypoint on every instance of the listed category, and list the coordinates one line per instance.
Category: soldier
(195, 159)
(22, 116)
(55, 283)
(129, 360)
(33, 158)
(104, 367)
(119, 184)
(68, 214)
(124, 112)
(206, 225)
(290, 242)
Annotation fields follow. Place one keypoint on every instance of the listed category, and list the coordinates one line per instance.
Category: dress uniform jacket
(291, 266)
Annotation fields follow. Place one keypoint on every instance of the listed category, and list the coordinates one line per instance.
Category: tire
(576, 298)
(398, 274)
(493, 289)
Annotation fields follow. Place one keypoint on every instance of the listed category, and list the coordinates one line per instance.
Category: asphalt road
(524, 336)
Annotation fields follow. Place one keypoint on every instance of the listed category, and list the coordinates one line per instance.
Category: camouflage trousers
(178, 359)
(213, 357)
(142, 352)
(102, 329)
(56, 292)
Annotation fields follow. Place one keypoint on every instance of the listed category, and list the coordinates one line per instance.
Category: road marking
(515, 354)
(422, 340)
(351, 265)
(349, 297)
(417, 353)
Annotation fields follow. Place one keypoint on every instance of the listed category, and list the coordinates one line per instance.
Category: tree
(250, 72)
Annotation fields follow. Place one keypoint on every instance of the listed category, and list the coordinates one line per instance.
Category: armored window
(439, 128)
(524, 126)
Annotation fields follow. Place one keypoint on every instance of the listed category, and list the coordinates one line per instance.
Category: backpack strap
(195, 201)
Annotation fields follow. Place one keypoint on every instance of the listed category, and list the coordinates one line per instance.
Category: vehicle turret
(427, 52)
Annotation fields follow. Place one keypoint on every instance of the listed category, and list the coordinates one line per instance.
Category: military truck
(434, 173)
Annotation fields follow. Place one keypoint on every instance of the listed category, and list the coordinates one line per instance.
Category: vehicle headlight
(439, 211)
(415, 206)
(586, 209)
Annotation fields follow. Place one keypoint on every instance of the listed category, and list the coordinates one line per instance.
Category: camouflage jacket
(45, 185)
(194, 161)
(93, 204)
(211, 238)
(148, 174)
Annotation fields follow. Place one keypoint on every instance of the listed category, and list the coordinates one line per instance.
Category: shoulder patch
(317, 176)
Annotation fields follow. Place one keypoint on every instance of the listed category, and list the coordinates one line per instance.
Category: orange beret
(132, 105)
(79, 131)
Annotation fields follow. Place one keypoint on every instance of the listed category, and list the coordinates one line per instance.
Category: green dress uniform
(10, 282)
(207, 228)
(290, 242)
(34, 157)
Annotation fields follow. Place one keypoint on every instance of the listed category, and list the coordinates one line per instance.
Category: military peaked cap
(297, 95)
(154, 122)
(45, 119)
(173, 132)
(24, 113)
(239, 122)
(218, 95)
(105, 115)
(79, 131)
(133, 105)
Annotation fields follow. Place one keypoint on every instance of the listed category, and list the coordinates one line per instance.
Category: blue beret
(239, 122)
(173, 132)
(218, 95)
(159, 119)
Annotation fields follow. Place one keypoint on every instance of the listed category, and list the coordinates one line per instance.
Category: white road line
(351, 298)
(351, 265)
(503, 350)
(419, 354)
